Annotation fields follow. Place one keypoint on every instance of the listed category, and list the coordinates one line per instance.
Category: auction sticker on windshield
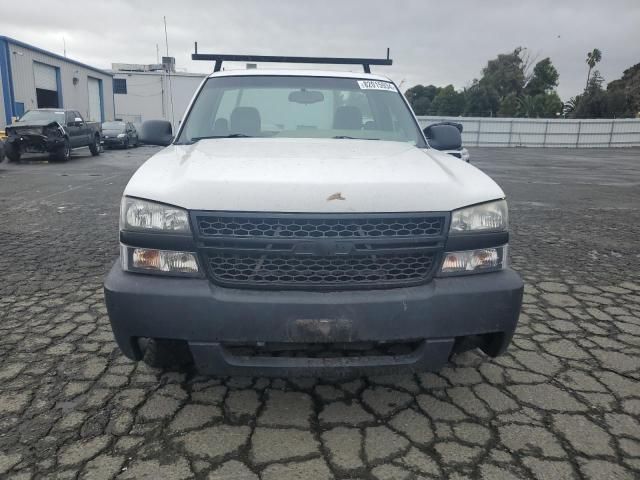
(375, 85)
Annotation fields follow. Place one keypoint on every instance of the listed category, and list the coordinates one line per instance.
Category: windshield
(300, 107)
(46, 115)
(118, 126)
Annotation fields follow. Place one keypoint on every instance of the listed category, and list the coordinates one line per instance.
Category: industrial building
(34, 78)
(153, 92)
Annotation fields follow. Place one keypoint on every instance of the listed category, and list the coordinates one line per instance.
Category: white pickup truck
(299, 223)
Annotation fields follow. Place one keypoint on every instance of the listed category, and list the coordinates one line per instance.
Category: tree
(509, 86)
(510, 106)
(481, 101)
(420, 98)
(627, 87)
(550, 105)
(593, 57)
(593, 102)
(544, 79)
(448, 102)
(570, 106)
(505, 74)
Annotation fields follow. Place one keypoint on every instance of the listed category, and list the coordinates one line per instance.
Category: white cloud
(431, 42)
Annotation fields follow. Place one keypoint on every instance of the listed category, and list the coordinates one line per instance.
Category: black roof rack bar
(219, 58)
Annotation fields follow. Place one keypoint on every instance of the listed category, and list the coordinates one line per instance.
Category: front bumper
(113, 141)
(35, 143)
(210, 318)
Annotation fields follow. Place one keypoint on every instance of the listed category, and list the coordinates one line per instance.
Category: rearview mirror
(306, 97)
(443, 136)
(156, 132)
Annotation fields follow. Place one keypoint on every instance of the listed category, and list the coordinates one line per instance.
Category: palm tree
(527, 107)
(593, 57)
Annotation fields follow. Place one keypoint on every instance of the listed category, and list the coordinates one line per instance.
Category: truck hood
(34, 124)
(309, 175)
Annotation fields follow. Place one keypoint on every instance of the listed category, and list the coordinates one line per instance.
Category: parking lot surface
(563, 403)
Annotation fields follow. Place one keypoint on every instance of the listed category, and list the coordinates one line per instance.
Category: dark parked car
(54, 131)
(119, 134)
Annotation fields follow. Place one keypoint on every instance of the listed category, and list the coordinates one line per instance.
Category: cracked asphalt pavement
(562, 403)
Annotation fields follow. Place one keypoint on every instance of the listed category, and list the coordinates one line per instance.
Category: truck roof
(298, 73)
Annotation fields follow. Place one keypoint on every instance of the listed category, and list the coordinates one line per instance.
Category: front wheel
(12, 153)
(63, 153)
(166, 354)
(95, 146)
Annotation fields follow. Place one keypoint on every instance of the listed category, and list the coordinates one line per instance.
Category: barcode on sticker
(375, 85)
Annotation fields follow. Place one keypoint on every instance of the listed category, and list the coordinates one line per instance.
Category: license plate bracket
(321, 330)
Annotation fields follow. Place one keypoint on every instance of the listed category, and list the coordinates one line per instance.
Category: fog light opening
(474, 261)
(160, 261)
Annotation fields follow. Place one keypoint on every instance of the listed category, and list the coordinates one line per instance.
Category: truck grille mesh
(286, 227)
(319, 251)
(287, 270)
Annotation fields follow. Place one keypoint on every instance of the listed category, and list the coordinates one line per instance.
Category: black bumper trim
(206, 315)
(213, 358)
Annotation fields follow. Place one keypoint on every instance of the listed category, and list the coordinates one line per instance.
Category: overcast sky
(438, 42)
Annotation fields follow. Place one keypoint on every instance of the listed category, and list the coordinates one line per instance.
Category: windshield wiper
(233, 135)
(353, 138)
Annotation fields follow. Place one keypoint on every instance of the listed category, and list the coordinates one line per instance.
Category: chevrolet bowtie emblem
(335, 196)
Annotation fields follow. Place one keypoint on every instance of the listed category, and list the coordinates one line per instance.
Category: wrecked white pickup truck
(299, 223)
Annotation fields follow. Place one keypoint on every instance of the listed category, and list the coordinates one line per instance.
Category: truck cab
(299, 223)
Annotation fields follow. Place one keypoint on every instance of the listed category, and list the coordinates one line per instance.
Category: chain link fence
(542, 132)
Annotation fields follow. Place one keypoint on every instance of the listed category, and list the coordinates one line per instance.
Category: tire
(62, 154)
(12, 154)
(95, 146)
(166, 354)
(1, 151)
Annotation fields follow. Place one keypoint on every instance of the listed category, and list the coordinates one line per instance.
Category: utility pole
(166, 41)
(64, 47)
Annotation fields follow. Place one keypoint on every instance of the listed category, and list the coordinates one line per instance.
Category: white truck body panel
(310, 175)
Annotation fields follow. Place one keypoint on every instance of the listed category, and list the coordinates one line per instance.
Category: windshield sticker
(375, 85)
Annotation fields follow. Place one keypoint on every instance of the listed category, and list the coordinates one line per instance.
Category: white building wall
(149, 96)
(74, 96)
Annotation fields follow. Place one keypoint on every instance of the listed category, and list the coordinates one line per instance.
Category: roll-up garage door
(46, 80)
(95, 112)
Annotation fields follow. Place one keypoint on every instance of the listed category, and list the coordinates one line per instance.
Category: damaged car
(53, 131)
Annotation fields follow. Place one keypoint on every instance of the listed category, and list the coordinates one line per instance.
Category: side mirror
(77, 120)
(443, 137)
(156, 132)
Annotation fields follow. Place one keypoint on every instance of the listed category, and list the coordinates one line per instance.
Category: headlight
(474, 261)
(136, 214)
(151, 260)
(487, 217)
(121, 135)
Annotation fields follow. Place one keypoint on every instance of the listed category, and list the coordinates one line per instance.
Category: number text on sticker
(375, 85)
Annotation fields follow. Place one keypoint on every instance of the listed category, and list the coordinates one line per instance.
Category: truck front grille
(320, 251)
(284, 226)
(288, 270)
